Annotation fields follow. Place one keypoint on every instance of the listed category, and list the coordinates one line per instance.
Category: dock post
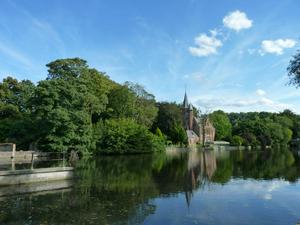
(13, 150)
(32, 160)
(64, 159)
(13, 164)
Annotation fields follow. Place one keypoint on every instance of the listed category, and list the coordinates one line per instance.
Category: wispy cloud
(47, 29)
(41, 27)
(197, 76)
(237, 104)
(15, 55)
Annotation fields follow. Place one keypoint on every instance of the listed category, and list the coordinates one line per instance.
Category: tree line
(80, 108)
(257, 128)
(261, 128)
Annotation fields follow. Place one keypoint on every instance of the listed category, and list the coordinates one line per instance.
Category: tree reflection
(122, 189)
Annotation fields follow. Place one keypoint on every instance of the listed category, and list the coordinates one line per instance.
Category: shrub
(123, 136)
(237, 140)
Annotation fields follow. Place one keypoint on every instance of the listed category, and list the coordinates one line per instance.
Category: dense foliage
(169, 121)
(257, 128)
(65, 111)
(222, 124)
(126, 136)
(15, 111)
(294, 70)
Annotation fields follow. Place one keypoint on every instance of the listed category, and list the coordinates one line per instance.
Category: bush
(178, 135)
(237, 140)
(123, 136)
(250, 139)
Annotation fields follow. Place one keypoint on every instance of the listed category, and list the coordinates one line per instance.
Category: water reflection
(173, 188)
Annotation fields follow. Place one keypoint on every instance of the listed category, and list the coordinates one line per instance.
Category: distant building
(199, 129)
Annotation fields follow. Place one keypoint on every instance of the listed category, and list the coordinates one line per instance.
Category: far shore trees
(222, 124)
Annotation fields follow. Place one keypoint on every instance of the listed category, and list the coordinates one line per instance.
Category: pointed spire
(185, 101)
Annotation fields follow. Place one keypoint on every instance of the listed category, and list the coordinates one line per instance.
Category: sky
(230, 55)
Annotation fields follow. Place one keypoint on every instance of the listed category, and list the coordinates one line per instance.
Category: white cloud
(209, 44)
(237, 21)
(206, 45)
(260, 92)
(276, 46)
(197, 76)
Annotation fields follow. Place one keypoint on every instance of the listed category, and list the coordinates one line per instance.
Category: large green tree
(67, 104)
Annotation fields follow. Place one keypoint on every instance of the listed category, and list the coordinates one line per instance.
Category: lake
(177, 187)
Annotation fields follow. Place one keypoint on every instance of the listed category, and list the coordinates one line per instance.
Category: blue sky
(230, 55)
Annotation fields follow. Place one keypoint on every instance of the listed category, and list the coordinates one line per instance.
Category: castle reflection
(123, 189)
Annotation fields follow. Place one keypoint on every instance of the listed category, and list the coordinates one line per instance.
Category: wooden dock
(9, 158)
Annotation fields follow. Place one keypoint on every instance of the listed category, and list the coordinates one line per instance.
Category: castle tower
(187, 113)
(198, 129)
(191, 117)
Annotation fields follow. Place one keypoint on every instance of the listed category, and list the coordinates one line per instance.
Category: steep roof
(185, 102)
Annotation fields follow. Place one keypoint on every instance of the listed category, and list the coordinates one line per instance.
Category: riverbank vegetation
(257, 128)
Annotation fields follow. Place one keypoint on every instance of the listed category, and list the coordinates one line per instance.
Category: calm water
(176, 188)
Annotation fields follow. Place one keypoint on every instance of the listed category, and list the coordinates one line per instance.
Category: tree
(66, 68)
(62, 113)
(178, 134)
(168, 120)
(222, 124)
(295, 122)
(16, 122)
(264, 128)
(68, 109)
(159, 133)
(237, 140)
(121, 102)
(145, 107)
(250, 139)
(132, 101)
(294, 70)
(68, 103)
